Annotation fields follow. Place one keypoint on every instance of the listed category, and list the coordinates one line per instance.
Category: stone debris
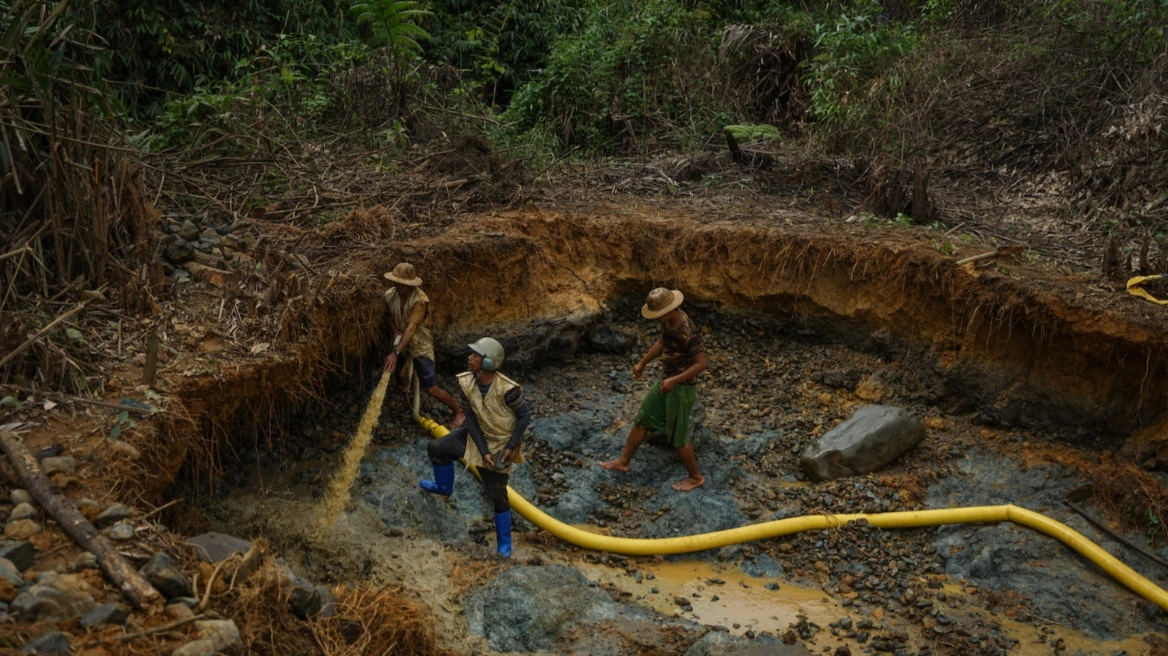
(214, 548)
(10, 573)
(53, 598)
(59, 465)
(104, 614)
(21, 529)
(121, 532)
(162, 573)
(53, 642)
(112, 515)
(18, 552)
(23, 511)
(223, 634)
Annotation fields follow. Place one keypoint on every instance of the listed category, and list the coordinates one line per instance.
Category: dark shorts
(668, 413)
(427, 372)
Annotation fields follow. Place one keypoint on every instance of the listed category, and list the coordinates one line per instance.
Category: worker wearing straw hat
(409, 316)
(667, 405)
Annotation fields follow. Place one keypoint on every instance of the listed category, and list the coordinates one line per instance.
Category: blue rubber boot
(443, 482)
(503, 533)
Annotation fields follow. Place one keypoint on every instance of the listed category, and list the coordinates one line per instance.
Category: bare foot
(688, 484)
(458, 420)
(616, 464)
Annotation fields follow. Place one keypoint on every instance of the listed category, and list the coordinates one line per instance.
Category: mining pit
(1026, 394)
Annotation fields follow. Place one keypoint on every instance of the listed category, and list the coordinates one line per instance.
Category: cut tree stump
(131, 584)
(893, 191)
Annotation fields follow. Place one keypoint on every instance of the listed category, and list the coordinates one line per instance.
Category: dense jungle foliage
(1024, 87)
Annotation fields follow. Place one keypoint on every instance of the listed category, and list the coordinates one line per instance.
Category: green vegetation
(165, 48)
(745, 132)
(633, 73)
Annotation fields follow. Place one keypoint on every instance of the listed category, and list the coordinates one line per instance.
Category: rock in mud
(23, 511)
(717, 643)
(19, 552)
(305, 602)
(162, 573)
(515, 613)
(8, 572)
(104, 614)
(328, 602)
(871, 439)
(178, 251)
(53, 642)
(606, 339)
(112, 515)
(196, 648)
(222, 633)
(55, 598)
(215, 548)
(59, 464)
(82, 562)
(188, 231)
(19, 496)
(21, 529)
(121, 532)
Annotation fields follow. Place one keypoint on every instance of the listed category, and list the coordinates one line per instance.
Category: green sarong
(668, 414)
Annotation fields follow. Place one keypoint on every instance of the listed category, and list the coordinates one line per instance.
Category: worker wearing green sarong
(667, 405)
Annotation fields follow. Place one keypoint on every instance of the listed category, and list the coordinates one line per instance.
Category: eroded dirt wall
(1019, 355)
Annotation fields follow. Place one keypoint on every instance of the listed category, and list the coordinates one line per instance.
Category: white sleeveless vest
(495, 418)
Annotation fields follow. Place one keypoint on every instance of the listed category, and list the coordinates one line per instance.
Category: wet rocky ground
(771, 390)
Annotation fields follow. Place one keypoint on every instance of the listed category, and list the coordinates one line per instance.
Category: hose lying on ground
(908, 519)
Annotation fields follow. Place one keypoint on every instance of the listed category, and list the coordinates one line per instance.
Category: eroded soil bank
(775, 384)
(1020, 346)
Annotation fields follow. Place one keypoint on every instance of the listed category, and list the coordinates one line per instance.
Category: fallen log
(131, 584)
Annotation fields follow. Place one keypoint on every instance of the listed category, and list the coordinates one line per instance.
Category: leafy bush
(499, 45)
(850, 53)
(630, 75)
(290, 85)
(174, 47)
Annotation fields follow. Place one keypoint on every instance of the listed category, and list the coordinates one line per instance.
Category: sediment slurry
(342, 482)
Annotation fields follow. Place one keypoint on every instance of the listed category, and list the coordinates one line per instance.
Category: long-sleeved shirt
(514, 400)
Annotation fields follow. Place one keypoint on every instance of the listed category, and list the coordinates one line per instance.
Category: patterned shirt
(682, 346)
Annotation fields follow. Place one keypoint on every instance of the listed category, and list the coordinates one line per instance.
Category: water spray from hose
(338, 493)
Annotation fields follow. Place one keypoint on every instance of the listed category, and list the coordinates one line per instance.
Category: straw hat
(404, 274)
(660, 302)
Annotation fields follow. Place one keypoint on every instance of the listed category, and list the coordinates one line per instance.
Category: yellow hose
(908, 519)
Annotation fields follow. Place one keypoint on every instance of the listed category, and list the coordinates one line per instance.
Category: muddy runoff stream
(776, 383)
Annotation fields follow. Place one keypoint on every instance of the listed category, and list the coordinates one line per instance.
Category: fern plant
(394, 25)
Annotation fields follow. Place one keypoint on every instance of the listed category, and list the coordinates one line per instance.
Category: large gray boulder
(868, 441)
(515, 612)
